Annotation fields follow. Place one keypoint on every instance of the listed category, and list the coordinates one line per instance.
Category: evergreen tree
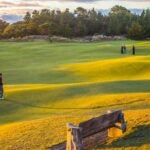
(27, 17)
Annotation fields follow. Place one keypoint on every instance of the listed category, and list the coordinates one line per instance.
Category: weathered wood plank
(94, 140)
(99, 124)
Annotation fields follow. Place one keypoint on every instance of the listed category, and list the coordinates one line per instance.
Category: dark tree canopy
(81, 22)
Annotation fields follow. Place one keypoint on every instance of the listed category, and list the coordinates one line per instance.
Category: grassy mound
(131, 68)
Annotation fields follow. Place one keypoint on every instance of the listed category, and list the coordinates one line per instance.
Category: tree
(81, 11)
(135, 31)
(119, 20)
(27, 17)
(31, 28)
(44, 29)
(94, 22)
(9, 31)
(15, 30)
(66, 24)
(81, 26)
(3, 25)
(145, 22)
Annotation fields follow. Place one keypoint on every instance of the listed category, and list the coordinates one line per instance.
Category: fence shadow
(139, 136)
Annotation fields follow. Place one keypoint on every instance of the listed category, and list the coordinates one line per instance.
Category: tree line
(81, 22)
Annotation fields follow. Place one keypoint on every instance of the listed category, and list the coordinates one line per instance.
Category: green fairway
(49, 84)
(37, 62)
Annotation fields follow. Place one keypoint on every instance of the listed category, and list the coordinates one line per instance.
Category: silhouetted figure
(133, 50)
(1, 87)
(122, 49)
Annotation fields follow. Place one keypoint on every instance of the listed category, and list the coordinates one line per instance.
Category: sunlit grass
(140, 44)
(131, 68)
(28, 87)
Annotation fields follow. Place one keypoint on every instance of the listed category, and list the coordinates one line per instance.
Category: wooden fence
(93, 132)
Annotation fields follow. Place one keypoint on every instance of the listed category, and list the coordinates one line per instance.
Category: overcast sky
(19, 7)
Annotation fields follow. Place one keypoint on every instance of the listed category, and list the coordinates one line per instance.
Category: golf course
(47, 85)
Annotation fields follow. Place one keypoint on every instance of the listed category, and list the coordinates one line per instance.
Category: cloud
(6, 4)
(90, 1)
(40, 3)
(22, 6)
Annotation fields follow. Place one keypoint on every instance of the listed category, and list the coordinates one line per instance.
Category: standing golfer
(133, 50)
(122, 49)
(1, 87)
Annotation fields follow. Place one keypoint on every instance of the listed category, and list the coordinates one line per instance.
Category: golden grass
(42, 133)
(129, 68)
(106, 101)
(37, 134)
(140, 44)
(28, 87)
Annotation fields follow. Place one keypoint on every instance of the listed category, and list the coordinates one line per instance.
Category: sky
(19, 7)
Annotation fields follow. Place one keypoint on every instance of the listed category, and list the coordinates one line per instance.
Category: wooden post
(74, 138)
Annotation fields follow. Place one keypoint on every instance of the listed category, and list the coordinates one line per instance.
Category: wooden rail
(92, 132)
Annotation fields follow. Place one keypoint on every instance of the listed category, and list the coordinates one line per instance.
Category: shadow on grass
(44, 107)
(139, 137)
(50, 99)
(71, 108)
